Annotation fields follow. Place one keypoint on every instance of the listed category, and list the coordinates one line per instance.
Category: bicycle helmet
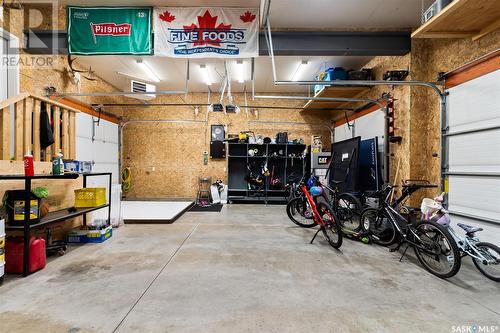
(312, 181)
(316, 191)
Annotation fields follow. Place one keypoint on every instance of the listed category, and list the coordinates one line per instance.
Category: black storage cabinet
(285, 159)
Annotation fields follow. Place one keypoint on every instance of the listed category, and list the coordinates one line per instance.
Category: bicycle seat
(378, 194)
(469, 229)
(372, 194)
(336, 182)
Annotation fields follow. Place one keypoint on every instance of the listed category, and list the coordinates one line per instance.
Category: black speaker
(217, 149)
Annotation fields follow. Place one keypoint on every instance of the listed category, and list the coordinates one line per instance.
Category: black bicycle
(347, 207)
(434, 246)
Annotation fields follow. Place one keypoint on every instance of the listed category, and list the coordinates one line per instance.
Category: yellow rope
(126, 180)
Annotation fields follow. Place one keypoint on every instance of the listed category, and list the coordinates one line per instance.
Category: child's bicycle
(485, 256)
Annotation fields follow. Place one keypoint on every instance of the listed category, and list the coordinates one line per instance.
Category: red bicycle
(321, 213)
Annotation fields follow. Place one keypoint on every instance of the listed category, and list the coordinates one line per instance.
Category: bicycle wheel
(491, 268)
(436, 249)
(382, 230)
(299, 211)
(332, 229)
(348, 209)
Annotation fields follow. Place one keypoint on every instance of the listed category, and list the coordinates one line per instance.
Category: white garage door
(473, 112)
(368, 126)
(103, 150)
(9, 75)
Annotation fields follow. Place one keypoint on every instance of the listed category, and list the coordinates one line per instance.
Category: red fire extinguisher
(29, 167)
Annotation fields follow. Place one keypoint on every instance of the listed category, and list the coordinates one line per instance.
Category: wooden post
(5, 133)
(65, 133)
(28, 128)
(72, 135)
(48, 150)
(57, 129)
(18, 131)
(36, 130)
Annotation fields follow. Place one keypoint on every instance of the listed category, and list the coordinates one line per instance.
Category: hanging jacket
(46, 135)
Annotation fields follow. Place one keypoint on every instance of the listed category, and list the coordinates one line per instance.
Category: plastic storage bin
(90, 197)
(364, 74)
(14, 251)
(337, 73)
(433, 9)
(90, 236)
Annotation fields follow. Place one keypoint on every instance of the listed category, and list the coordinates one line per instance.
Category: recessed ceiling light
(206, 74)
(300, 69)
(239, 71)
(146, 69)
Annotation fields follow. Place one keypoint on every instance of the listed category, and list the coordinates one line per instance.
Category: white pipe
(119, 93)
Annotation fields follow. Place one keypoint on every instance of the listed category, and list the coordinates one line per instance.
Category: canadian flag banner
(206, 32)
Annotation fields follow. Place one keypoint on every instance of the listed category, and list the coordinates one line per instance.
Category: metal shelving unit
(52, 217)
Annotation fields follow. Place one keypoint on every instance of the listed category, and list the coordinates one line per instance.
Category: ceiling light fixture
(300, 69)
(206, 75)
(239, 71)
(146, 69)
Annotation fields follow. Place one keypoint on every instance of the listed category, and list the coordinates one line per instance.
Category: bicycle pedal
(395, 249)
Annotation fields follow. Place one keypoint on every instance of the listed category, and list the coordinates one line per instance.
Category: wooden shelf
(334, 91)
(462, 19)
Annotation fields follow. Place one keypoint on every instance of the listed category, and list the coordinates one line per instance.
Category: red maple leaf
(207, 23)
(167, 17)
(247, 17)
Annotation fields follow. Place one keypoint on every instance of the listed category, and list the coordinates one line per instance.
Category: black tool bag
(282, 137)
(46, 135)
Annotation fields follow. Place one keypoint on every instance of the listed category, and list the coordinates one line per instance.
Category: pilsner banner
(109, 30)
(206, 32)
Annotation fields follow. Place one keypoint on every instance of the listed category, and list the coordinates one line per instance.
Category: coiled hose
(126, 180)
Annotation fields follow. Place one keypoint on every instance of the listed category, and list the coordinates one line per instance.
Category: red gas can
(14, 250)
(29, 167)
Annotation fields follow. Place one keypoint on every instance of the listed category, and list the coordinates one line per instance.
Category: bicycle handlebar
(419, 186)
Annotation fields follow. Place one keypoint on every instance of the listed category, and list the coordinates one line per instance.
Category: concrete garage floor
(246, 269)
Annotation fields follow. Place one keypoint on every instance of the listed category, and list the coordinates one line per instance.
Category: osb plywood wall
(33, 79)
(398, 152)
(166, 159)
(40, 71)
(175, 151)
(429, 57)
(417, 114)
